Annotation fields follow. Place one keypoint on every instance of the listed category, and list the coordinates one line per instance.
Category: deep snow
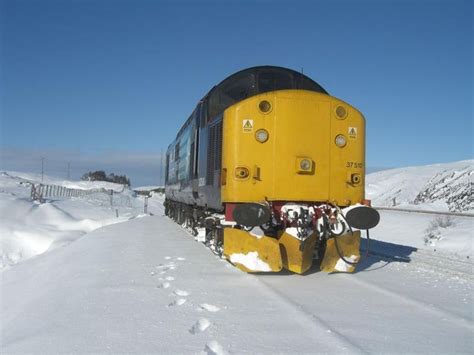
(144, 285)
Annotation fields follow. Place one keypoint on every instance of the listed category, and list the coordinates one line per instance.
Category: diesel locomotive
(269, 169)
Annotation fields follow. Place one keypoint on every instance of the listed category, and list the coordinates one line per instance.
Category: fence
(39, 192)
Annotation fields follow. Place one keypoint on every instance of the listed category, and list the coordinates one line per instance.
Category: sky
(103, 84)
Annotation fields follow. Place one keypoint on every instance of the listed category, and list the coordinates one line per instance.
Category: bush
(100, 175)
(433, 232)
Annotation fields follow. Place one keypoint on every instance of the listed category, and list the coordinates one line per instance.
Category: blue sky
(88, 81)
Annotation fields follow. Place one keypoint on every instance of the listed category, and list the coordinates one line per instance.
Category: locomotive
(269, 169)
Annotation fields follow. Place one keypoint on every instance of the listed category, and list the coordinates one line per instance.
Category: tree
(100, 175)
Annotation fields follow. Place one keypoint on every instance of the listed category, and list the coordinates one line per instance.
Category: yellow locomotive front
(301, 154)
(271, 168)
(293, 145)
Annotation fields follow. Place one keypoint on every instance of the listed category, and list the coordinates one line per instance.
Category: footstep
(164, 285)
(167, 257)
(152, 273)
(201, 325)
(181, 259)
(169, 278)
(181, 293)
(178, 302)
(214, 348)
(209, 307)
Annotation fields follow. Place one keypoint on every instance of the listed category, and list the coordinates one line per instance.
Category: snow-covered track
(429, 260)
(384, 306)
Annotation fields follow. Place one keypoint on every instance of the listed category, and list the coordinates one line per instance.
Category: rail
(458, 214)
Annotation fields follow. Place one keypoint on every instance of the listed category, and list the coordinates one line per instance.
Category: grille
(214, 152)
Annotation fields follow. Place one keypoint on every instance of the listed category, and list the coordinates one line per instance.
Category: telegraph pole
(161, 167)
(42, 168)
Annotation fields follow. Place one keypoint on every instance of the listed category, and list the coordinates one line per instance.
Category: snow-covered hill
(441, 187)
(28, 228)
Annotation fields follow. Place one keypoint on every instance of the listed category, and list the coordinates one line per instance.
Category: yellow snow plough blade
(294, 258)
(250, 253)
(348, 245)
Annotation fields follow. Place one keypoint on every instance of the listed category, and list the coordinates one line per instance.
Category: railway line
(454, 214)
(393, 296)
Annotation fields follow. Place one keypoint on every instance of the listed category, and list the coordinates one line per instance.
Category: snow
(342, 266)
(438, 187)
(410, 229)
(251, 261)
(77, 279)
(29, 228)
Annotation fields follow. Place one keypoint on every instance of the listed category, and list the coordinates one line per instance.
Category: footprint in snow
(164, 285)
(169, 278)
(178, 302)
(201, 325)
(209, 307)
(181, 293)
(180, 259)
(167, 257)
(214, 348)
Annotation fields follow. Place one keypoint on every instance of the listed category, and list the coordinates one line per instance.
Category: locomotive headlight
(305, 164)
(241, 172)
(340, 141)
(265, 106)
(341, 112)
(261, 135)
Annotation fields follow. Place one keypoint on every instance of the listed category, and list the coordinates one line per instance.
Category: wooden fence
(39, 192)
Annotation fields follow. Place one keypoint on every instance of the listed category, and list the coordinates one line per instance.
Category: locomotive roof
(254, 81)
(250, 82)
(300, 81)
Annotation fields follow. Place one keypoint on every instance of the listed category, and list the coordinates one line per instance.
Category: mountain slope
(442, 187)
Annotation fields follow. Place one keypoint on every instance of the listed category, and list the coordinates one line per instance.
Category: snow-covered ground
(143, 285)
(438, 187)
(28, 228)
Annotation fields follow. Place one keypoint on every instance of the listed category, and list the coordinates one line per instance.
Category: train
(269, 171)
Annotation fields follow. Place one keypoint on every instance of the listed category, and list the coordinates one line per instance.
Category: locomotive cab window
(274, 80)
(231, 91)
(251, 82)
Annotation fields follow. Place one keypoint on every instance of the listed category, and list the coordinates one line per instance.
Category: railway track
(457, 214)
(416, 298)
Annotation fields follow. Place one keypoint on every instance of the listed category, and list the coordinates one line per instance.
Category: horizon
(63, 173)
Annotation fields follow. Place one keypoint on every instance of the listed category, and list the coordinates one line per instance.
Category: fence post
(40, 194)
(145, 207)
(111, 192)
